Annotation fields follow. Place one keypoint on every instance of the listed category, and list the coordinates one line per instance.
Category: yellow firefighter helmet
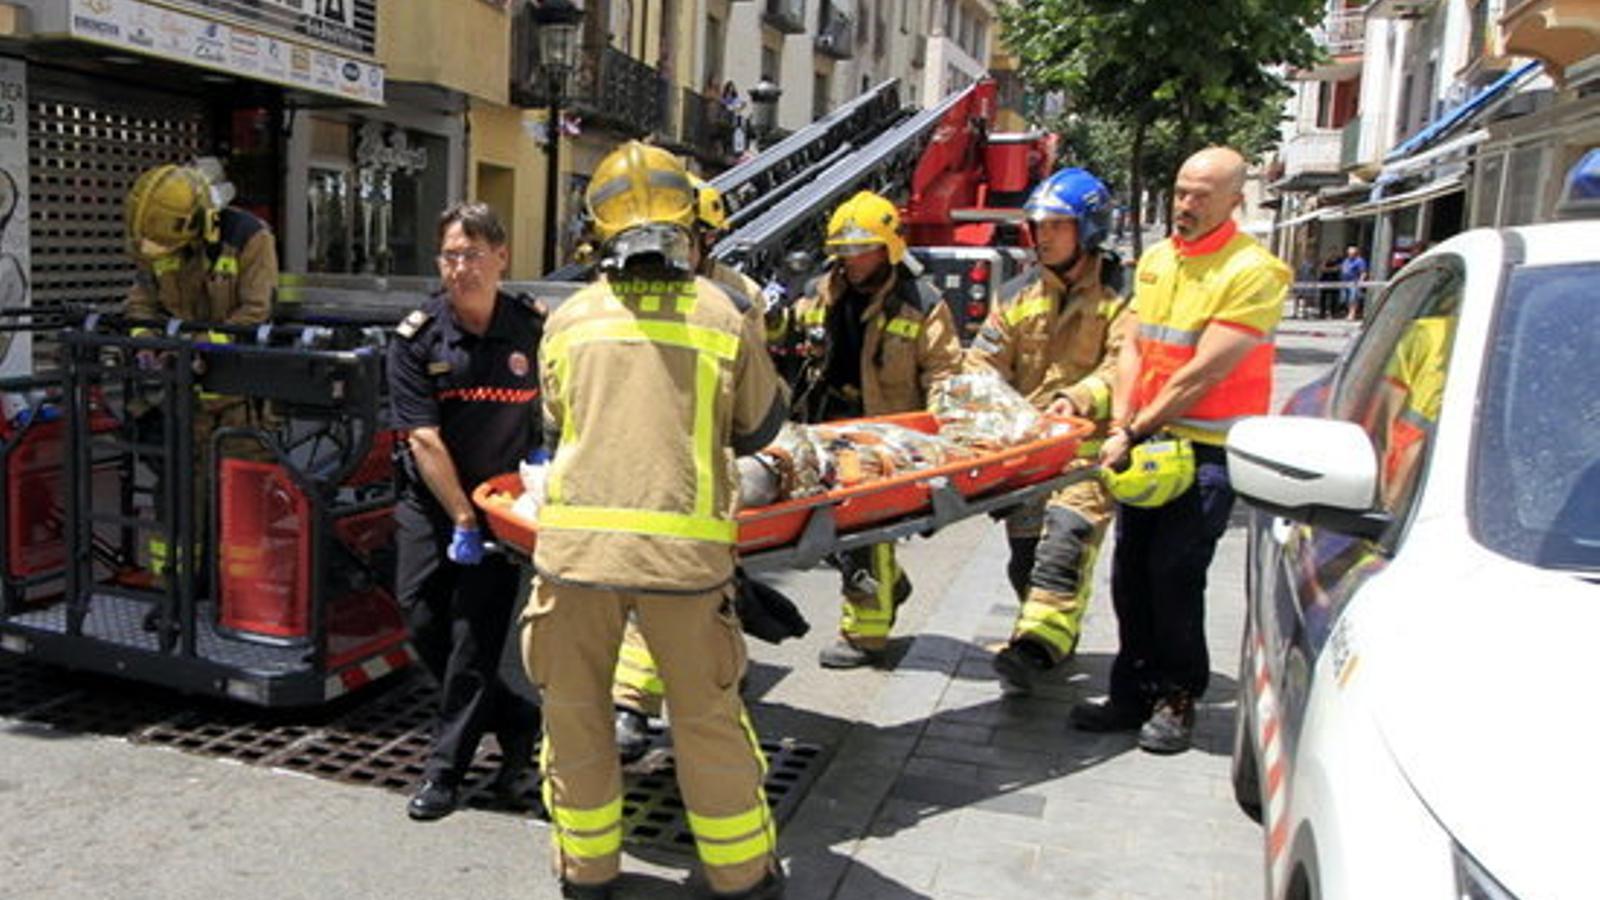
(168, 207)
(637, 184)
(643, 206)
(709, 209)
(865, 222)
(1158, 471)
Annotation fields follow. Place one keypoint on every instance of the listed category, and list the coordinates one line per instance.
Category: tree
(1199, 70)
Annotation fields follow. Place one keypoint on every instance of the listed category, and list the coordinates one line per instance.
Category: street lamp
(558, 22)
(764, 108)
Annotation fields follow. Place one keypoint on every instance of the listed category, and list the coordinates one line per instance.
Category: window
(711, 76)
(820, 102)
(1535, 494)
(1394, 381)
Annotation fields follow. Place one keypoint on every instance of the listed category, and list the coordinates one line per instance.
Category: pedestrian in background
(463, 377)
(653, 379)
(1329, 304)
(1197, 354)
(1353, 271)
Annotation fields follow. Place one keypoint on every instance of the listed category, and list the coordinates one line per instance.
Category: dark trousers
(1158, 586)
(459, 617)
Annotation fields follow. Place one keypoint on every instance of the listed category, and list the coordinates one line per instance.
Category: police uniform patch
(518, 361)
(438, 367)
(411, 324)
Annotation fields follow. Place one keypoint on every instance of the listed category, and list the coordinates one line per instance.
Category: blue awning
(1462, 114)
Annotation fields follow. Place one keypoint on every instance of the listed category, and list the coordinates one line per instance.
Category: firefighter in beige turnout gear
(638, 690)
(1054, 336)
(197, 260)
(651, 363)
(874, 340)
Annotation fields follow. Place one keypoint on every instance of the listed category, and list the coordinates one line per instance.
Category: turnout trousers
(570, 638)
(459, 617)
(1054, 546)
(1158, 585)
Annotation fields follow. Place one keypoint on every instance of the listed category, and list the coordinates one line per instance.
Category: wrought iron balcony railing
(609, 88)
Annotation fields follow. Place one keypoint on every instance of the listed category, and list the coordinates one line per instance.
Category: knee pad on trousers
(1062, 552)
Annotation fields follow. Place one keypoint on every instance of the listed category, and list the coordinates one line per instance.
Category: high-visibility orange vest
(1225, 278)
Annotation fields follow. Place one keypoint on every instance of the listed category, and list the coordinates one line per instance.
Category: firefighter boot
(768, 888)
(570, 891)
(841, 654)
(1020, 665)
(633, 734)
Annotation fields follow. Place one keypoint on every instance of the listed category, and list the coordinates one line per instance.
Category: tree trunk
(1136, 187)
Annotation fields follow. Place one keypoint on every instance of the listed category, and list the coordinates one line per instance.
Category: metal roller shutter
(85, 148)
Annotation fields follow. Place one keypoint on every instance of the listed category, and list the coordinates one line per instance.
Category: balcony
(706, 128)
(836, 37)
(1342, 37)
(609, 89)
(787, 16)
(1350, 145)
(1400, 9)
(1312, 159)
(1559, 33)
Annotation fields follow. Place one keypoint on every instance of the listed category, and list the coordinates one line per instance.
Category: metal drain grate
(378, 737)
(652, 810)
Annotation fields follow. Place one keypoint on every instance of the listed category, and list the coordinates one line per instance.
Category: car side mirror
(1322, 472)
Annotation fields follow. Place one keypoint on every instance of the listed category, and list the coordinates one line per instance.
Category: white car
(1419, 697)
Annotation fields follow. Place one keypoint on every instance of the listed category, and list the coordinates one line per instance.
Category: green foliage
(1169, 76)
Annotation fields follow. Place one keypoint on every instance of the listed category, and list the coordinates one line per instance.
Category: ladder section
(797, 222)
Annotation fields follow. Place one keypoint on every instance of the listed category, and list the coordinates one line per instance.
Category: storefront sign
(346, 24)
(159, 31)
(15, 352)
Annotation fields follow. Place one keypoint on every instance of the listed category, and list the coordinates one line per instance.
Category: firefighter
(1054, 336)
(873, 339)
(199, 260)
(637, 692)
(1196, 356)
(463, 378)
(649, 363)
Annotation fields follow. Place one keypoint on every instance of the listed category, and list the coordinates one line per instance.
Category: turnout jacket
(909, 343)
(649, 388)
(230, 282)
(1049, 340)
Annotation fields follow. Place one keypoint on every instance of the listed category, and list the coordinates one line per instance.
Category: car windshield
(1536, 471)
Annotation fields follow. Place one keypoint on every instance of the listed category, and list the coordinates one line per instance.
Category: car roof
(1559, 243)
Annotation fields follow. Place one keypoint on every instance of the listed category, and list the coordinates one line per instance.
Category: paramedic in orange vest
(1197, 354)
(652, 379)
(874, 339)
(1054, 336)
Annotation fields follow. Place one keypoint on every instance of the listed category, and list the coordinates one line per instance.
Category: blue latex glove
(466, 546)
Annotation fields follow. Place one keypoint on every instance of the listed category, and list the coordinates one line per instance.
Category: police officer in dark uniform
(463, 379)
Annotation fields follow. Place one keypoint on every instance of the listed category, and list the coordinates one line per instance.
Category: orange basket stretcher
(800, 533)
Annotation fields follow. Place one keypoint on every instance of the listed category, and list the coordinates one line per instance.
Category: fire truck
(275, 588)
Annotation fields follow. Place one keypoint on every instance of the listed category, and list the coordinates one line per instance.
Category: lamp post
(764, 108)
(558, 22)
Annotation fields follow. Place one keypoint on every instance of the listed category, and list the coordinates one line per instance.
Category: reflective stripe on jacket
(1177, 296)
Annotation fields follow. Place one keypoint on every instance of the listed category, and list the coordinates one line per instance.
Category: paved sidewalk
(949, 790)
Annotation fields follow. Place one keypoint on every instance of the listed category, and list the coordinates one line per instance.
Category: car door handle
(1282, 530)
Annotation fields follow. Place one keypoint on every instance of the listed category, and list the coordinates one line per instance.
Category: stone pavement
(949, 790)
(937, 787)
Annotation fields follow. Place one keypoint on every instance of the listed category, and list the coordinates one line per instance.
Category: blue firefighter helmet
(1073, 194)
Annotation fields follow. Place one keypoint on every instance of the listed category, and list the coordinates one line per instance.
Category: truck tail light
(979, 273)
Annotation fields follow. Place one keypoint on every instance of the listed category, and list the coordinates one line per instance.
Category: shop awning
(1433, 189)
(1462, 115)
(1312, 216)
